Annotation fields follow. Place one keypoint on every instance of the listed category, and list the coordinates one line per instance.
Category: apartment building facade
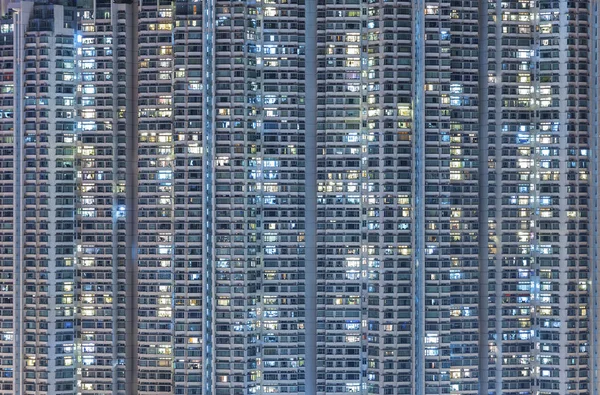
(280, 196)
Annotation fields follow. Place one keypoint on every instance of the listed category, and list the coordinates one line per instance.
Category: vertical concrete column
(419, 201)
(115, 230)
(310, 260)
(483, 199)
(131, 198)
(207, 174)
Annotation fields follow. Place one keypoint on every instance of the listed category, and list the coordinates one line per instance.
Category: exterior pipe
(131, 198)
(310, 260)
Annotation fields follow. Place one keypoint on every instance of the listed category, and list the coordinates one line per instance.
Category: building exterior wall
(155, 192)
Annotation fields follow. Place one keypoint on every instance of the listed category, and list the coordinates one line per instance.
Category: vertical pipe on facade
(207, 174)
(483, 198)
(131, 197)
(497, 380)
(419, 201)
(594, 385)
(19, 33)
(115, 222)
(310, 261)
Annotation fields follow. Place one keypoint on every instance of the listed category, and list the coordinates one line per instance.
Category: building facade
(290, 196)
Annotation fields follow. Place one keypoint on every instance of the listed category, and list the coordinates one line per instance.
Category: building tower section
(186, 158)
(259, 202)
(38, 58)
(365, 197)
(48, 162)
(10, 191)
(539, 78)
(100, 192)
(7, 140)
(460, 28)
(435, 136)
(155, 198)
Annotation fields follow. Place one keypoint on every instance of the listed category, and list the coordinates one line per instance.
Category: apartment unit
(290, 196)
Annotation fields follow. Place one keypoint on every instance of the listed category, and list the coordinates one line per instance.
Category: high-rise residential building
(221, 197)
